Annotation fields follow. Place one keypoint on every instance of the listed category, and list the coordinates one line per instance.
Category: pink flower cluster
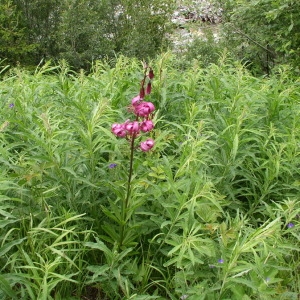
(131, 129)
(143, 111)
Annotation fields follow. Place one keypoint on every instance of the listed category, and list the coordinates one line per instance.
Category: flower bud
(148, 89)
(146, 126)
(151, 74)
(118, 130)
(142, 93)
(133, 128)
(144, 109)
(147, 145)
(136, 100)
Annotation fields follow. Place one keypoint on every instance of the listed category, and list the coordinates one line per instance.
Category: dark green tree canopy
(82, 30)
(264, 31)
(13, 36)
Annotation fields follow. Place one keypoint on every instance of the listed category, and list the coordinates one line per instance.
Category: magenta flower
(146, 125)
(133, 128)
(144, 109)
(147, 145)
(136, 100)
(118, 130)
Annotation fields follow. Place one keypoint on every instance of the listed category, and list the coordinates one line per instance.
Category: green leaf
(98, 245)
(99, 271)
(7, 247)
(242, 281)
(7, 289)
(235, 146)
(3, 223)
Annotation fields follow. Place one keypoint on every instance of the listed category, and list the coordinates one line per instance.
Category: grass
(214, 208)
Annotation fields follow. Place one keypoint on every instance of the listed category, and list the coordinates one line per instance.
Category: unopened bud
(151, 74)
(148, 89)
(142, 93)
(147, 145)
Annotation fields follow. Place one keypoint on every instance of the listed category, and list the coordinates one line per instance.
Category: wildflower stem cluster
(131, 130)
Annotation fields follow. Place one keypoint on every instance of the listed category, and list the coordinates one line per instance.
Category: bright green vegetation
(214, 211)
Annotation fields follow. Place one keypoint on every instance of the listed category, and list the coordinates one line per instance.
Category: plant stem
(130, 172)
(128, 192)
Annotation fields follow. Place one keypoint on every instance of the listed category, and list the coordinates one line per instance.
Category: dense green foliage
(82, 31)
(264, 32)
(214, 212)
(13, 42)
(211, 212)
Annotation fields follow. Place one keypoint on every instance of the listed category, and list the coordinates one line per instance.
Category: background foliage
(214, 212)
(82, 31)
(264, 32)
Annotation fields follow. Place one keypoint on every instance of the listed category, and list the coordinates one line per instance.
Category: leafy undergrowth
(214, 209)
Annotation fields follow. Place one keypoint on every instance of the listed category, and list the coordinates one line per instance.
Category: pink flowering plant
(133, 130)
(143, 112)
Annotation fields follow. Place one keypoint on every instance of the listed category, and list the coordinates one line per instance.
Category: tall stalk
(124, 206)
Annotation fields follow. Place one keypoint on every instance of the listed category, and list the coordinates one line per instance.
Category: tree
(265, 32)
(41, 18)
(140, 27)
(84, 33)
(83, 30)
(13, 40)
(95, 29)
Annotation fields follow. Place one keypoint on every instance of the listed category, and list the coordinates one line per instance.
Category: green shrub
(264, 33)
(214, 212)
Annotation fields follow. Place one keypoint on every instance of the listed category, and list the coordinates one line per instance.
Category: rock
(198, 12)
